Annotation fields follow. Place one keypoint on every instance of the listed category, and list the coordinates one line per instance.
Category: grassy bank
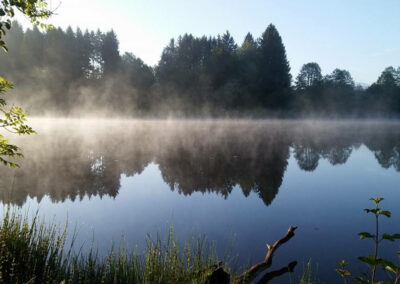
(33, 252)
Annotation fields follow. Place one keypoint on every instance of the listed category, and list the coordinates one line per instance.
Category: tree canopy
(75, 72)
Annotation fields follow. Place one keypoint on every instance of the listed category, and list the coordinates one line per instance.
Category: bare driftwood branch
(250, 274)
(276, 273)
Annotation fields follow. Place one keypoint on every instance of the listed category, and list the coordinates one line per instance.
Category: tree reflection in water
(68, 160)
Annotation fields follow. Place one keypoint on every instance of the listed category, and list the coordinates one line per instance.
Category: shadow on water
(72, 159)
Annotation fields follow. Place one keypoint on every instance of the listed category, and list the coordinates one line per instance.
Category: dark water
(245, 181)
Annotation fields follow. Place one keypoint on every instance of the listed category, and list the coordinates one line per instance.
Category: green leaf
(361, 280)
(343, 272)
(384, 262)
(377, 200)
(386, 213)
(343, 263)
(375, 261)
(391, 269)
(390, 237)
(364, 235)
(375, 210)
(368, 259)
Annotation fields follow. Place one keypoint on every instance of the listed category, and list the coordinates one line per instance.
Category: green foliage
(364, 235)
(194, 75)
(374, 261)
(309, 76)
(31, 252)
(35, 10)
(13, 120)
(110, 52)
(383, 96)
(342, 270)
(390, 237)
(308, 275)
(274, 70)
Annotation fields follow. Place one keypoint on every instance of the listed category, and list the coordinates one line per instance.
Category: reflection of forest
(72, 161)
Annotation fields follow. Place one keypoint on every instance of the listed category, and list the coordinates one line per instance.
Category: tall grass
(309, 276)
(33, 252)
(30, 252)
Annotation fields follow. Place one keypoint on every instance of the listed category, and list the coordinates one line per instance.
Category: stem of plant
(397, 279)
(376, 247)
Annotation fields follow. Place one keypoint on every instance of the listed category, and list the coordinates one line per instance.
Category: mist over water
(242, 179)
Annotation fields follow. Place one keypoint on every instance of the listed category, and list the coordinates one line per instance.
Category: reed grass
(33, 252)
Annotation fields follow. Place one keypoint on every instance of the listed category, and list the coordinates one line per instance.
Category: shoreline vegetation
(195, 77)
(32, 251)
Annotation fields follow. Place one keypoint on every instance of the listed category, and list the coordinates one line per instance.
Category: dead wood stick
(276, 273)
(250, 274)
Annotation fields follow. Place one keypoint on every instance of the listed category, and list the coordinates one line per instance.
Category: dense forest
(69, 72)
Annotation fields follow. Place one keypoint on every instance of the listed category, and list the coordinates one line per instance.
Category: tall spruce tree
(274, 70)
(248, 69)
(110, 53)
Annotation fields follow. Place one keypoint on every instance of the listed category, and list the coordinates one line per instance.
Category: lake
(240, 183)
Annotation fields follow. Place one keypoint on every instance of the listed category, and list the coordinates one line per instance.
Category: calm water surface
(245, 181)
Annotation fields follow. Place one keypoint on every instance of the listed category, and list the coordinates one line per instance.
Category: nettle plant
(374, 261)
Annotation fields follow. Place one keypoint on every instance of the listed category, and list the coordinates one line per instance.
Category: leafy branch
(35, 10)
(13, 120)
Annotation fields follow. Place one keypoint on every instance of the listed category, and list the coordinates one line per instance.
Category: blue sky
(362, 36)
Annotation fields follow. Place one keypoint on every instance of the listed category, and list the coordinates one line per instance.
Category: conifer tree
(274, 70)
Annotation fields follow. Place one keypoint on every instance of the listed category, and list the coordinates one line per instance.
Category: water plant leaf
(364, 235)
(390, 237)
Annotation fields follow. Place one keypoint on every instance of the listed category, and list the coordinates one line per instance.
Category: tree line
(74, 71)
